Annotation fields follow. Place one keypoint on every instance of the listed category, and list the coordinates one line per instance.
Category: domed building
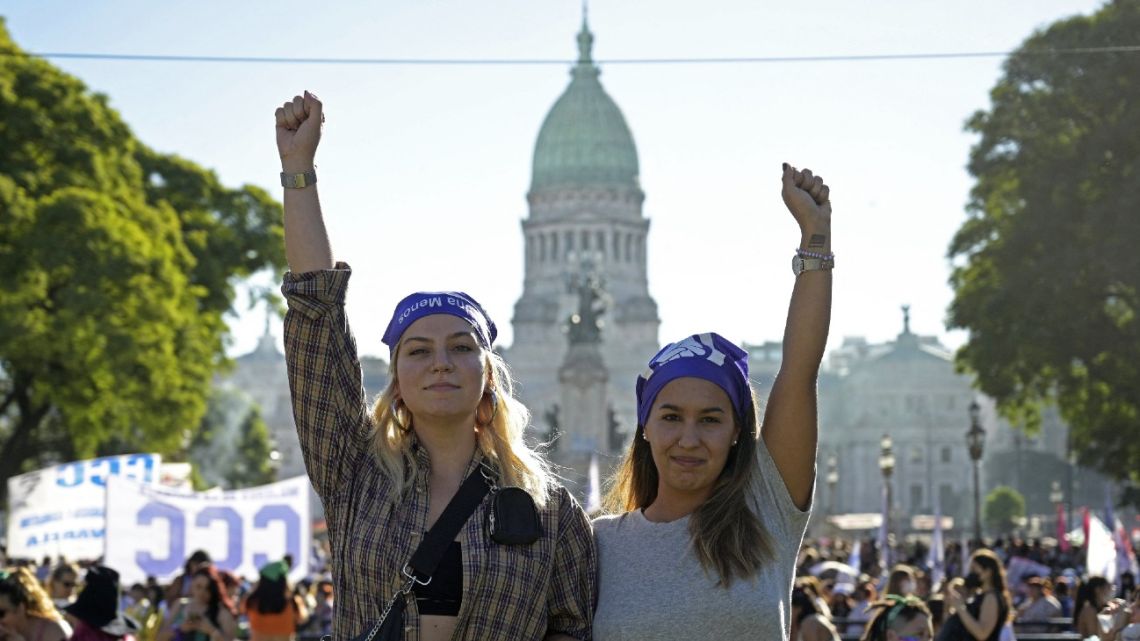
(585, 221)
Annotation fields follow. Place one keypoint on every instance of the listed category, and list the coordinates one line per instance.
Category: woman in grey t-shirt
(715, 507)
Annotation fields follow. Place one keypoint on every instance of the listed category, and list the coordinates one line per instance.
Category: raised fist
(808, 198)
(299, 132)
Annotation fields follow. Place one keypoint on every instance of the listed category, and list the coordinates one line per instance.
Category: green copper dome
(584, 140)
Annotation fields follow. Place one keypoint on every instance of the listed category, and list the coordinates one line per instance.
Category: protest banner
(59, 510)
(151, 530)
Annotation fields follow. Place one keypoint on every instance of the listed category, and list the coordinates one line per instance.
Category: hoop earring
(395, 410)
(494, 408)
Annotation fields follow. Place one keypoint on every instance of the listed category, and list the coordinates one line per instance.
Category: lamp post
(1056, 497)
(832, 483)
(887, 467)
(975, 441)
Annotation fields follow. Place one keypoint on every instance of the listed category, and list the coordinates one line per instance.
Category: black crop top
(444, 594)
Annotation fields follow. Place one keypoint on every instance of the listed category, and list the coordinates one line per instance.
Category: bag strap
(430, 551)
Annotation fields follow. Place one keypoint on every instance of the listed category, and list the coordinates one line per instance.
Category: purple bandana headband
(421, 304)
(708, 356)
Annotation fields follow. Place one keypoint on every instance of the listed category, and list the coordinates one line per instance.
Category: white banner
(152, 530)
(1101, 551)
(59, 510)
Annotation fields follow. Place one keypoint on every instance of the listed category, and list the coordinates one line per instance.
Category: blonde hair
(499, 431)
(728, 536)
(25, 588)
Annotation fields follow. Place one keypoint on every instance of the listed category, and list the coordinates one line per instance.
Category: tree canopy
(1046, 268)
(232, 448)
(119, 263)
(1003, 509)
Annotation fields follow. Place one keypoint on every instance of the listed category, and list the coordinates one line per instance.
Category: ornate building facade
(909, 389)
(585, 220)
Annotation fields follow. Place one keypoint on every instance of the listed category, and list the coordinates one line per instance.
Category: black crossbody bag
(512, 520)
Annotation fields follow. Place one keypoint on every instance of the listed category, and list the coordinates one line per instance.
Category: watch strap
(801, 264)
(298, 180)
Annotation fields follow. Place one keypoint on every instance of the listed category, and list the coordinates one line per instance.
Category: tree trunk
(21, 443)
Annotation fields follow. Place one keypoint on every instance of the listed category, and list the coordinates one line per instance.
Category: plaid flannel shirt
(515, 592)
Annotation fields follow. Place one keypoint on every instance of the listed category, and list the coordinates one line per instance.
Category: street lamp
(832, 482)
(975, 441)
(886, 457)
(1056, 497)
(887, 467)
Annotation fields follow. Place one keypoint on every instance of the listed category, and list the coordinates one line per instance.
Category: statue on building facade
(585, 325)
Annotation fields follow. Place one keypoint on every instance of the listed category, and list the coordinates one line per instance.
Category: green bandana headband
(275, 571)
(900, 602)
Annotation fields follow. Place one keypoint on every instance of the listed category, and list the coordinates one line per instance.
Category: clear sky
(424, 169)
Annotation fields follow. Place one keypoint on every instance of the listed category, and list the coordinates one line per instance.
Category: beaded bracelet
(803, 253)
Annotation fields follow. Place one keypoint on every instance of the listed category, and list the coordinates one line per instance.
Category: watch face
(797, 265)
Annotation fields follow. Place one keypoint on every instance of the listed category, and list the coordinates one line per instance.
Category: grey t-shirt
(651, 585)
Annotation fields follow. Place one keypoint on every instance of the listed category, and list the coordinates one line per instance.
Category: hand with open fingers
(808, 198)
(299, 131)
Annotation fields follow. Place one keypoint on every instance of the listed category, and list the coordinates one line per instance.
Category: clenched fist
(299, 132)
(808, 198)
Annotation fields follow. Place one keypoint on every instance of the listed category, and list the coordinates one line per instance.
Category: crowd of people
(831, 600)
(997, 592)
(54, 601)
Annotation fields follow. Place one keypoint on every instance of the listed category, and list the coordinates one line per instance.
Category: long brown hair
(219, 598)
(728, 536)
(990, 561)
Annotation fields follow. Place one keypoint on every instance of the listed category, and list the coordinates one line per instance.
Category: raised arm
(790, 428)
(299, 124)
(320, 351)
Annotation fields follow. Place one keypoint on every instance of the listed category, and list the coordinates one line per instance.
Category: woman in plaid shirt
(386, 473)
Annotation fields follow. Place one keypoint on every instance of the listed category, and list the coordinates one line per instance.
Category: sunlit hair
(728, 537)
(22, 587)
(805, 601)
(990, 561)
(894, 612)
(900, 574)
(498, 434)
